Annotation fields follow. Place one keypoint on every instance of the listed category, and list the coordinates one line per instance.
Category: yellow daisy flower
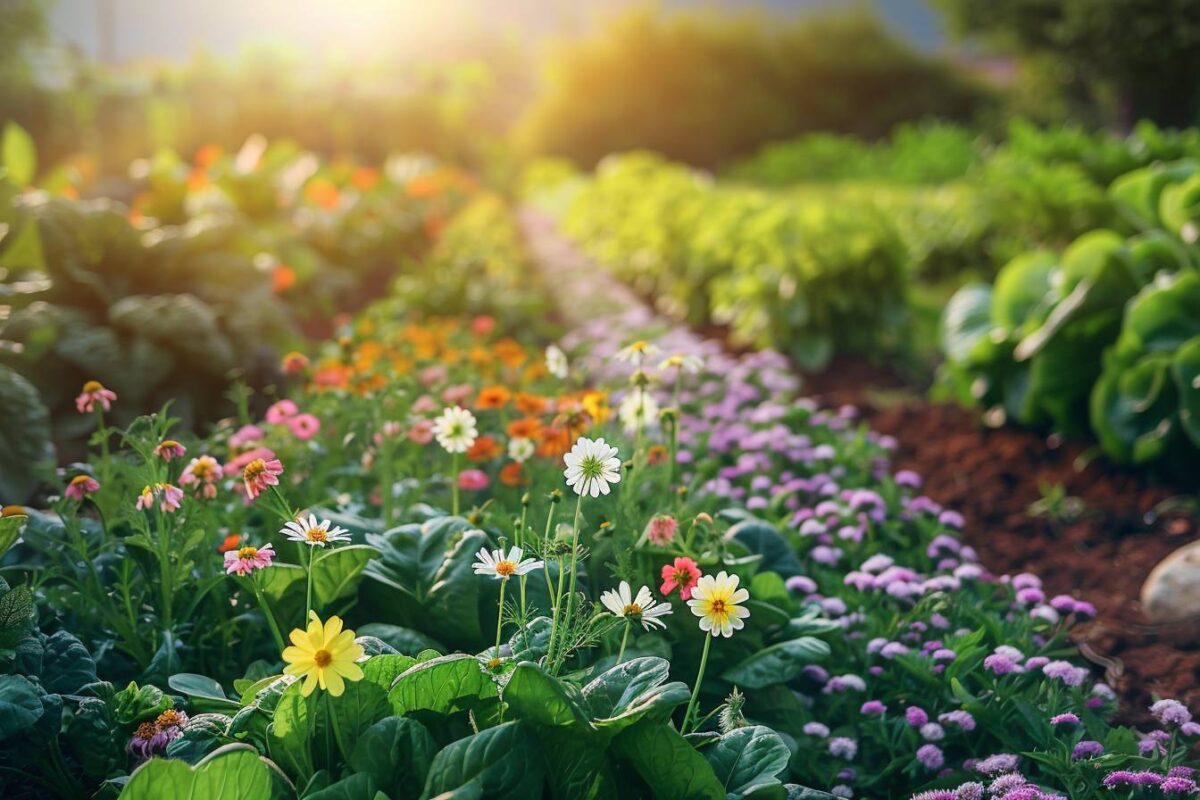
(323, 655)
(717, 602)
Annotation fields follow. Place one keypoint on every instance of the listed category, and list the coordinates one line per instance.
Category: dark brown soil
(993, 476)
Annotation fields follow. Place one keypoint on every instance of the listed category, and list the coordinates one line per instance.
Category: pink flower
(81, 486)
(202, 473)
(246, 436)
(304, 426)
(281, 412)
(661, 528)
(168, 449)
(457, 395)
(426, 404)
(421, 432)
(238, 464)
(683, 573)
(94, 392)
(432, 375)
(168, 497)
(473, 480)
(261, 474)
(245, 560)
(483, 325)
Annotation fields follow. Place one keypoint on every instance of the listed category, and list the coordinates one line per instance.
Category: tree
(1140, 57)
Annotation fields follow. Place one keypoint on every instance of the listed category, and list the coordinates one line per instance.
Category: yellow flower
(717, 602)
(324, 654)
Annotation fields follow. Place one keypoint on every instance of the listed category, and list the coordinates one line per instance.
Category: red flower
(683, 573)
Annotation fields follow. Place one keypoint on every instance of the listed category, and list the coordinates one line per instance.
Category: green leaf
(667, 763)
(1186, 370)
(533, 695)
(500, 763)
(293, 725)
(778, 663)
(404, 640)
(337, 573)
(444, 684)
(200, 686)
(763, 538)
(356, 787)
(232, 772)
(382, 670)
(24, 436)
(747, 759)
(627, 692)
(135, 704)
(397, 752)
(20, 705)
(10, 529)
(20, 155)
(67, 665)
(16, 615)
(361, 705)
(966, 320)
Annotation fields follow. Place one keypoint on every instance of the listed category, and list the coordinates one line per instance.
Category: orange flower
(530, 404)
(554, 442)
(492, 397)
(527, 428)
(511, 474)
(283, 278)
(510, 352)
(596, 405)
(485, 449)
(294, 363)
(656, 454)
(231, 542)
(322, 192)
(207, 155)
(197, 180)
(365, 178)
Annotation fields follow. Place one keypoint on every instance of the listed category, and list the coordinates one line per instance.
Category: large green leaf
(361, 786)
(398, 752)
(67, 665)
(233, 772)
(966, 321)
(1186, 368)
(20, 155)
(361, 705)
(765, 539)
(445, 684)
(778, 663)
(24, 437)
(747, 759)
(404, 640)
(20, 705)
(533, 695)
(627, 692)
(1020, 294)
(667, 763)
(500, 763)
(337, 573)
(294, 724)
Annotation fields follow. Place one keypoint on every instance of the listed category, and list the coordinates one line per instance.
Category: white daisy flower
(313, 533)
(591, 466)
(455, 430)
(639, 404)
(642, 608)
(521, 449)
(556, 362)
(503, 567)
(637, 352)
(684, 362)
(717, 601)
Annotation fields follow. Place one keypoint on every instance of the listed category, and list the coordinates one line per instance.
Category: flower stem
(454, 485)
(308, 605)
(574, 560)
(624, 639)
(270, 615)
(696, 689)
(500, 616)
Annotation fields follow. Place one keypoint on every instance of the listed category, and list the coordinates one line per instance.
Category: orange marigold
(485, 449)
(525, 428)
(512, 474)
(492, 397)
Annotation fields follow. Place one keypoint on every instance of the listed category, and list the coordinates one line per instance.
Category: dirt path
(993, 477)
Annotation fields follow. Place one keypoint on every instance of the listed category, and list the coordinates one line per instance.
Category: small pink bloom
(432, 375)
(245, 560)
(457, 395)
(238, 464)
(145, 500)
(246, 436)
(93, 393)
(304, 426)
(168, 449)
(683, 573)
(168, 497)
(426, 404)
(294, 363)
(473, 480)
(260, 474)
(421, 432)
(281, 412)
(389, 430)
(202, 473)
(661, 528)
(483, 325)
(81, 486)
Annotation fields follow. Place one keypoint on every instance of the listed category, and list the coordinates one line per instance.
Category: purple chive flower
(1001, 665)
(1190, 729)
(908, 479)
(969, 791)
(936, 794)
(1178, 786)
(892, 649)
(1180, 772)
(873, 708)
(801, 584)
(944, 654)
(1064, 719)
(842, 790)
(932, 732)
(1001, 762)
(1065, 672)
(843, 747)
(915, 716)
(816, 729)
(951, 519)
(1171, 712)
(1087, 749)
(1037, 662)
(962, 719)
(816, 673)
(1030, 596)
(1008, 782)
(930, 756)
(1124, 777)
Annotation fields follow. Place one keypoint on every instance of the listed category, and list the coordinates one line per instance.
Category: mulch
(993, 475)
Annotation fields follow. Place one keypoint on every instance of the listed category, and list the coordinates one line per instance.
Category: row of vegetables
(468, 558)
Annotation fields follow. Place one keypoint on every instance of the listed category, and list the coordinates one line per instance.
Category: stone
(1171, 592)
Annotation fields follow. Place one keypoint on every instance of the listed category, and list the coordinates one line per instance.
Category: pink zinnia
(304, 426)
(168, 497)
(168, 449)
(683, 573)
(202, 473)
(94, 392)
(281, 412)
(661, 529)
(261, 474)
(245, 560)
(457, 395)
(81, 486)
(472, 480)
(238, 464)
(425, 404)
(421, 432)
(246, 436)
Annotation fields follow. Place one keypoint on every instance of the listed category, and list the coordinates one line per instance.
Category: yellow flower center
(169, 443)
(639, 346)
(317, 535)
(717, 606)
(682, 576)
(632, 610)
(506, 569)
(147, 730)
(248, 552)
(79, 479)
(322, 658)
(92, 386)
(254, 469)
(168, 718)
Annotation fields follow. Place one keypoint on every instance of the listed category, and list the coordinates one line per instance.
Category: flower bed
(456, 562)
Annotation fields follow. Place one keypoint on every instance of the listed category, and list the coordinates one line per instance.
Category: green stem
(574, 563)
(308, 605)
(500, 616)
(454, 484)
(624, 639)
(386, 484)
(687, 715)
(266, 609)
